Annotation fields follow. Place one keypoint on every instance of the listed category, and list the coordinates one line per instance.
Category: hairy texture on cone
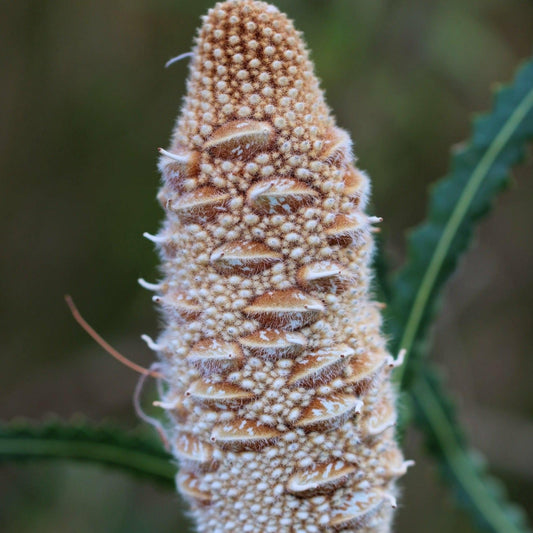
(278, 393)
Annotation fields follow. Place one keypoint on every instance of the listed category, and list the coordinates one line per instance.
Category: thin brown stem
(105, 345)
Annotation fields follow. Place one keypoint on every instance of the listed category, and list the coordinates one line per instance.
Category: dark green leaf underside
(476, 490)
(135, 453)
(478, 172)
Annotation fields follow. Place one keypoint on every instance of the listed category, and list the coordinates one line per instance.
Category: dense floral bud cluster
(281, 408)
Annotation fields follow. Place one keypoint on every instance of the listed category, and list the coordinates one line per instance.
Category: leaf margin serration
(79, 439)
(498, 142)
(475, 488)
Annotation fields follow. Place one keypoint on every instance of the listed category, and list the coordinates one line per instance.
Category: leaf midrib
(87, 451)
(450, 230)
(457, 461)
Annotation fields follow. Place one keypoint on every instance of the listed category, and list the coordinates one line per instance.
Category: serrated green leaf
(132, 452)
(475, 489)
(478, 172)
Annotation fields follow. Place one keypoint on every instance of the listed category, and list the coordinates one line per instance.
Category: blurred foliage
(84, 103)
(105, 444)
(478, 492)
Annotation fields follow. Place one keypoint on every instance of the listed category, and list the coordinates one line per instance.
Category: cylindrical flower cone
(280, 408)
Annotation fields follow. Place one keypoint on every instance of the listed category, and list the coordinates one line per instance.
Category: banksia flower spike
(281, 412)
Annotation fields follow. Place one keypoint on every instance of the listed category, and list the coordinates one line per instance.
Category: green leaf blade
(475, 489)
(478, 172)
(132, 452)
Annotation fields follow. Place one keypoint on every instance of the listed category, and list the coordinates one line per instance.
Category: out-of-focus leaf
(132, 452)
(479, 493)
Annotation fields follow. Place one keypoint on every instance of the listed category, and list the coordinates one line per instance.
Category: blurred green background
(85, 101)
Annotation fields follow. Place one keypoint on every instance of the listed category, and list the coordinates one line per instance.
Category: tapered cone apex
(280, 410)
(248, 60)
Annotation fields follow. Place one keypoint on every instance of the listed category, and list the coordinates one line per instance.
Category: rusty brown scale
(281, 410)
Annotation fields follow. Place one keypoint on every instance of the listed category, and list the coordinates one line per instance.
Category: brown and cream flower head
(281, 412)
